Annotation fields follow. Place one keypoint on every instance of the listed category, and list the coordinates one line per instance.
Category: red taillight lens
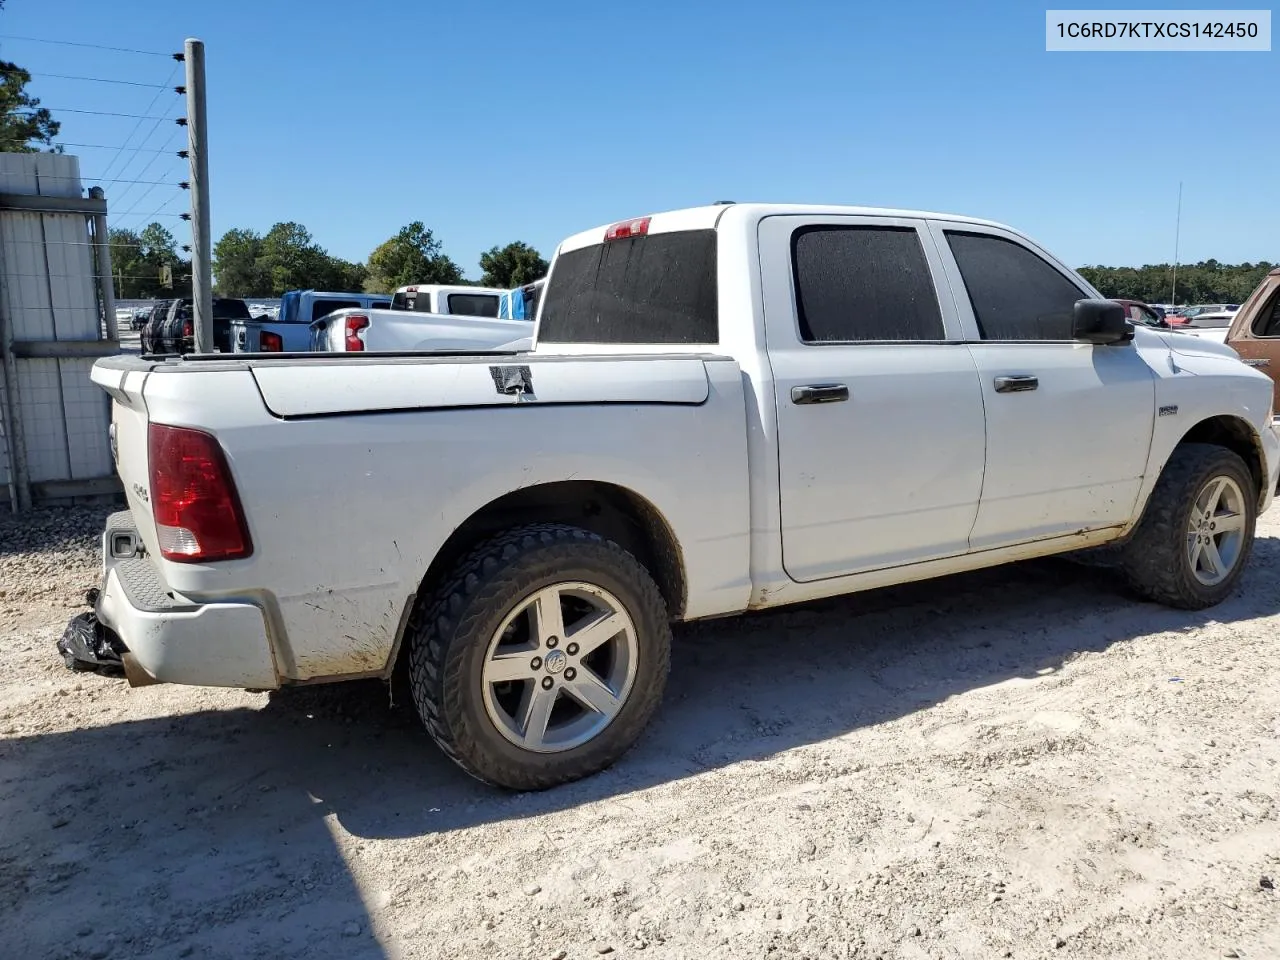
(187, 329)
(355, 324)
(270, 342)
(638, 227)
(193, 498)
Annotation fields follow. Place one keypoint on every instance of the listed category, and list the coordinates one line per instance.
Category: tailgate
(128, 433)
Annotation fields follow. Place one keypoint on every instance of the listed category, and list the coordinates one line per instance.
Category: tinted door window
(473, 304)
(1016, 295)
(863, 283)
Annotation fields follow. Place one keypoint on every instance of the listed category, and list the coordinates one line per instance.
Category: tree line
(286, 257)
(148, 263)
(1205, 282)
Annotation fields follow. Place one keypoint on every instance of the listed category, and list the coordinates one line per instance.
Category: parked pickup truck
(727, 408)
(457, 301)
(290, 331)
(349, 331)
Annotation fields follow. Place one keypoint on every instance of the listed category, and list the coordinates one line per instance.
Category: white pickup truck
(728, 408)
(371, 331)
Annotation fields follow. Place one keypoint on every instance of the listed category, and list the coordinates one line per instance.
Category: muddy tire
(541, 658)
(1194, 540)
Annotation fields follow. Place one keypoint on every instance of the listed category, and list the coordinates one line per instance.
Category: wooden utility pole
(198, 133)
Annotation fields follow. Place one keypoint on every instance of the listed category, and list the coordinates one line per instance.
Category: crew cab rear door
(880, 423)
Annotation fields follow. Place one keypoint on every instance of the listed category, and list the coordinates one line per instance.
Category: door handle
(1016, 384)
(820, 393)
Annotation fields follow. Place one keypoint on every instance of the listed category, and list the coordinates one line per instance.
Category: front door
(879, 409)
(1068, 424)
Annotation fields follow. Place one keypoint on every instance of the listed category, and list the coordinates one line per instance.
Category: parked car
(1186, 314)
(179, 327)
(1255, 328)
(1139, 312)
(726, 408)
(458, 301)
(177, 321)
(355, 331)
(290, 330)
(522, 302)
(150, 338)
(1212, 326)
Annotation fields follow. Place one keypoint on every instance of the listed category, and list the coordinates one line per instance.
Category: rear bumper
(174, 640)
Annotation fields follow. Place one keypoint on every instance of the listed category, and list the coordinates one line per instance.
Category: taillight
(355, 324)
(187, 329)
(193, 498)
(270, 342)
(638, 227)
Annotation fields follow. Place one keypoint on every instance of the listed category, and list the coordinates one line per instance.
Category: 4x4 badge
(1169, 411)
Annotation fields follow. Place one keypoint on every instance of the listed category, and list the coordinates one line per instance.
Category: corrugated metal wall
(50, 295)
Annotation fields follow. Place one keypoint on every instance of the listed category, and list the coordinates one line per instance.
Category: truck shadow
(226, 829)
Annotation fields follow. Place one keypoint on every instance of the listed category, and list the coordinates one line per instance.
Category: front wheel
(1195, 537)
(542, 658)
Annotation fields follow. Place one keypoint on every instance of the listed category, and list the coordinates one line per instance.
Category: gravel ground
(1017, 763)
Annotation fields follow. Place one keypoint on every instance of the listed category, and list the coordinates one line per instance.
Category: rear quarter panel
(347, 511)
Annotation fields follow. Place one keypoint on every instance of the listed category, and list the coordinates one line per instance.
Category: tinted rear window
(230, 309)
(654, 289)
(473, 304)
(322, 308)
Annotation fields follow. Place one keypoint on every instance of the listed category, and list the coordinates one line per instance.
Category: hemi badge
(1169, 411)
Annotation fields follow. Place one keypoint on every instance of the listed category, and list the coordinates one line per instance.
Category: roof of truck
(708, 217)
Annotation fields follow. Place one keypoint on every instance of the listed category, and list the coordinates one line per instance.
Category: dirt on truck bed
(1021, 763)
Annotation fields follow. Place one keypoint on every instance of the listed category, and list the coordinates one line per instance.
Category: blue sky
(502, 121)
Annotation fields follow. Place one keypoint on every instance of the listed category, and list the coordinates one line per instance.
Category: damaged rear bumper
(166, 638)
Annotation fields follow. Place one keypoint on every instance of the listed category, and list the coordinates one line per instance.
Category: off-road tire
(450, 631)
(1154, 560)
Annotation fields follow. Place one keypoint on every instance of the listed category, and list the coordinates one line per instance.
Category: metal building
(56, 317)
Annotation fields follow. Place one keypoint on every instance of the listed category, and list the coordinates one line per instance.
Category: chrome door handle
(1016, 384)
(820, 393)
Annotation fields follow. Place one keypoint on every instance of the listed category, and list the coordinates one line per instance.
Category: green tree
(248, 264)
(138, 259)
(512, 266)
(413, 255)
(25, 126)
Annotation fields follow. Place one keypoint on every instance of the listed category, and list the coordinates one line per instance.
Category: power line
(128, 83)
(136, 127)
(88, 146)
(98, 113)
(150, 163)
(93, 46)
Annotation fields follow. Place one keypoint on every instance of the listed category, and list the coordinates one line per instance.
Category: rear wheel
(542, 658)
(1194, 540)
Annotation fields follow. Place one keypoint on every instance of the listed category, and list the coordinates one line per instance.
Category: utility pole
(1177, 235)
(198, 133)
(102, 246)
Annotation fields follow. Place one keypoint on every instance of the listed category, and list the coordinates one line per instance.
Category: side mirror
(1101, 322)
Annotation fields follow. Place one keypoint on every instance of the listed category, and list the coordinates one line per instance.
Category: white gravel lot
(1018, 763)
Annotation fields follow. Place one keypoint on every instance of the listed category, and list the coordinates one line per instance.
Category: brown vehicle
(1255, 332)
